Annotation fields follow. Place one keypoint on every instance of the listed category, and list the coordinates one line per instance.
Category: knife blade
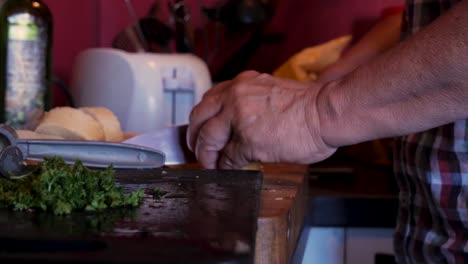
(169, 140)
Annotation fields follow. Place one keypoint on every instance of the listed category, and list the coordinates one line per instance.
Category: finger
(232, 156)
(241, 77)
(211, 139)
(210, 106)
(206, 109)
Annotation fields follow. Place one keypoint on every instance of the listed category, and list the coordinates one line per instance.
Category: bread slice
(109, 122)
(28, 134)
(70, 123)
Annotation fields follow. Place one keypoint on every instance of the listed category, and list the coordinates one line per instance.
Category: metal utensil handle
(93, 153)
(136, 24)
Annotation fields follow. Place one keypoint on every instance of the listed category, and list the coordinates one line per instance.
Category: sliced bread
(28, 134)
(70, 123)
(109, 122)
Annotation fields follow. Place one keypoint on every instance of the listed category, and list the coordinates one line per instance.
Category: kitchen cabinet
(352, 210)
(362, 244)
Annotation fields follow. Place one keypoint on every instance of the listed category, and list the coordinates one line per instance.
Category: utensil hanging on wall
(155, 34)
(183, 34)
(136, 24)
(239, 14)
(128, 40)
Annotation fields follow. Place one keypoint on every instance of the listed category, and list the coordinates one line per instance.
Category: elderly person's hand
(257, 117)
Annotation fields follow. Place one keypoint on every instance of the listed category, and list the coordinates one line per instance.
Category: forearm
(384, 35)
(420, 84)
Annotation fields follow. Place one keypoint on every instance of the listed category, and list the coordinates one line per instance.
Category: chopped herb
(158, 194)
(60, 188)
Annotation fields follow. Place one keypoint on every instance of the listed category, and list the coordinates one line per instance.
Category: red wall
(74, 30)
(310, 22)
(81, 24)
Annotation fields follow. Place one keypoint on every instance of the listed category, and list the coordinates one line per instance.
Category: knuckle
(209, 100)
(194, 113)
(201, 109)
(212, 99)
(208, 127)
(207, 94)
(263, 76)
(239, 89)
(238, 106)
(243, 116)
(215, 89)
(247, 74)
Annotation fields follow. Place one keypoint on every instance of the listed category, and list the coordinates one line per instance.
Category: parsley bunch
(61, 188)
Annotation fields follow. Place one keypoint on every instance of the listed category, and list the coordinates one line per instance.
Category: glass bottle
(25, 62)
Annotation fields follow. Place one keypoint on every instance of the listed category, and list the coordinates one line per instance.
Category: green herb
(158, 194)
(60, 188)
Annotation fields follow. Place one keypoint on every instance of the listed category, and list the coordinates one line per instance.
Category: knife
(14, 151)
(169, 140)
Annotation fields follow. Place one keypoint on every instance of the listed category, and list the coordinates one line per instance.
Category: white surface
(323, 245)
(343, 246)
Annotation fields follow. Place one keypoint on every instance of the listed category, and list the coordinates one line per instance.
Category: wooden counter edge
(282, 212)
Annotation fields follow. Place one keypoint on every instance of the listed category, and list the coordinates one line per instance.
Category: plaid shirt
(432, 172)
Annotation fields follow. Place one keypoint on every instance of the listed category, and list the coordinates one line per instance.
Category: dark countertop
(197, 220)
(336, 211)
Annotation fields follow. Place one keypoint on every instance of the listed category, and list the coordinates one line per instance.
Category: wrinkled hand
(257, 117)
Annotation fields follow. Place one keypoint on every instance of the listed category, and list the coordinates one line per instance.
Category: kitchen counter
(282, 212)
(287, 196)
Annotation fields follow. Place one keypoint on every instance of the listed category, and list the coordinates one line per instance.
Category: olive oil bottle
(25, 62)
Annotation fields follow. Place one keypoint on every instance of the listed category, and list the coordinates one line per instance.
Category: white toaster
(146, 91)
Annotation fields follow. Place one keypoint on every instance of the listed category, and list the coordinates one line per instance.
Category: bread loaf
(70, 123)
(108, 121)
(28, 134)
